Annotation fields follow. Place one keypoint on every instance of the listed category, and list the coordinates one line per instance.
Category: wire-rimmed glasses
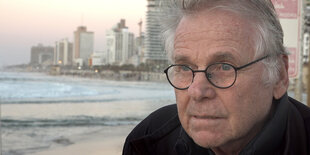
(220, 75)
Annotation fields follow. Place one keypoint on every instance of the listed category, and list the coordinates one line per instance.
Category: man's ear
(281, 85)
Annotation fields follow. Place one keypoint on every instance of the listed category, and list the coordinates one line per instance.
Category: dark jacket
(287, 132)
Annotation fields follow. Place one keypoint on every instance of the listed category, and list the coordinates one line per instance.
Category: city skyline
(28, 23)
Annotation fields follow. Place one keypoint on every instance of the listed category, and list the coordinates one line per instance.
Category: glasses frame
(208, 74)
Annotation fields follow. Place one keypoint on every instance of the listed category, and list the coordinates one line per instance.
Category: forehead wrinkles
(212, 36)
(215, 29)
(189, 32)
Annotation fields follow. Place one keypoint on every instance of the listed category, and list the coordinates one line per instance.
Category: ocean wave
(47, 101)
(85, 100)
(76, 121)
(29, 77)
(44, 90)
(23, 79)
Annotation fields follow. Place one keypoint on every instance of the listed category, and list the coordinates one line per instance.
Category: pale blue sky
(25, 23)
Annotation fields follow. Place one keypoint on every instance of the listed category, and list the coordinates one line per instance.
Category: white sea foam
(19, 88)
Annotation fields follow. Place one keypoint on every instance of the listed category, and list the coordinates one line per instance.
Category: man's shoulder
(304, 112)
(302, 109)
(160, 127)
(164, 118)
(299, 127)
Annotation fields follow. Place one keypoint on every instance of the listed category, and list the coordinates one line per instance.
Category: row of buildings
(121, 46)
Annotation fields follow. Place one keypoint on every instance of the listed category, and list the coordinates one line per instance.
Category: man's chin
(207, 139)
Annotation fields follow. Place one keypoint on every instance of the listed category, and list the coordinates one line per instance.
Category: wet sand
(108, 141)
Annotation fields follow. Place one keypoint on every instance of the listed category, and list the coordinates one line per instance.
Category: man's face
(216, 117)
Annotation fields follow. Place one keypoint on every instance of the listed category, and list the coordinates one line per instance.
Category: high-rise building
(42, 55)
(63, 52)
(139, 49)
(128, 41)
(154, 49)
(83, 45)
(119, 44)
(139, 46)
(110, 46)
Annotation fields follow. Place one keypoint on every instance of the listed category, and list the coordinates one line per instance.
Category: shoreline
(109, 140)
(111, 75)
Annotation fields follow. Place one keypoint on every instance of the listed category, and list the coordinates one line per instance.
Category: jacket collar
(269, 140)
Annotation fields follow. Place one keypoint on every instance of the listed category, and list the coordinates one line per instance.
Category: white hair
(268, 35)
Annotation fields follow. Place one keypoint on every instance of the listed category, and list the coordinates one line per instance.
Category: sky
(26, 23)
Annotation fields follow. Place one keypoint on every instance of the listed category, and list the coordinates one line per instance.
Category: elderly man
(230, 77)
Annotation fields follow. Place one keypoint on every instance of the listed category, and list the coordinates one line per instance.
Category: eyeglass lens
(180, 76)
(220, 75)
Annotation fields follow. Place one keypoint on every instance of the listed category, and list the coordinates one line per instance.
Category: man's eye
(184, 68)
(226, 67)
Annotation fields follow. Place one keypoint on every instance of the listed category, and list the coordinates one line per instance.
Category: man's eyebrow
(224, 56)
(180, 58)
(220, 56)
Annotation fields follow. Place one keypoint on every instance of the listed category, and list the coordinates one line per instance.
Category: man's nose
(201, 88)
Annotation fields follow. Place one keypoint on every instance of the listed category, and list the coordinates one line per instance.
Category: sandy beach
(108, 141)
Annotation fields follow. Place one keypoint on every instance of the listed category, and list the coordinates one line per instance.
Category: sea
(39, 112)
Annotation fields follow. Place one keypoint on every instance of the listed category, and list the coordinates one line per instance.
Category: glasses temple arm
(253, 62)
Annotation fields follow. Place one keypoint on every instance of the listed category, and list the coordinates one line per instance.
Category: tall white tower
(154, 49)
(119, 44)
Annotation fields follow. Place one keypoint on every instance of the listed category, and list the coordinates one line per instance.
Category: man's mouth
(207, 117)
